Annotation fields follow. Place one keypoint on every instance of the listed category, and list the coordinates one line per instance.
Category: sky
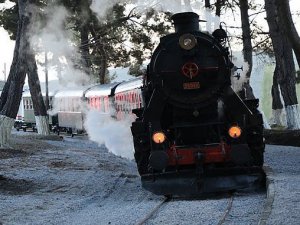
(7, 46)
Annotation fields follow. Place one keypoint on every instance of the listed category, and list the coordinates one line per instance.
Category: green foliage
(128, 37)
(9, 20)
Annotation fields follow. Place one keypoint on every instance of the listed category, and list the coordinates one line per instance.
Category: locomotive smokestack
(186, 22)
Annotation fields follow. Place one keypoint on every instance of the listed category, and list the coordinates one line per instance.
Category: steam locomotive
(194, 134)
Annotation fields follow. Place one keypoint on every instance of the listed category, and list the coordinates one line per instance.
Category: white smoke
(114, 134)
(166, 5)
(55, 38)
(101, 7)
(212, 21)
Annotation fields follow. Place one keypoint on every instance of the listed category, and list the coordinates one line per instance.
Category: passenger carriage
(128, 97)
(100, 97)
(28, 121)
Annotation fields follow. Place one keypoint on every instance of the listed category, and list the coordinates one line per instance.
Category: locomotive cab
(195, 134)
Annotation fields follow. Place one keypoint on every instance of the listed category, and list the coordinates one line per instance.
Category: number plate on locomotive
(191, 85)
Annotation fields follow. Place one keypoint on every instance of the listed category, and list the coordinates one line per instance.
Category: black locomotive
(194, 133)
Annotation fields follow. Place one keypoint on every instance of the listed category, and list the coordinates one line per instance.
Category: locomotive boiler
(194, 134)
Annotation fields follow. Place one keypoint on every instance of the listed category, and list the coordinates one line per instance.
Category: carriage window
(92, 103)
(74, 105)
(65, 106)
(97, 103)
(71, 105)
(102, 104)
(50, 102)
(61, 104)
(25, 104)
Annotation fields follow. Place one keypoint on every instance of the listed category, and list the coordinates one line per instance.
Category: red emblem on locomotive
(190, 70)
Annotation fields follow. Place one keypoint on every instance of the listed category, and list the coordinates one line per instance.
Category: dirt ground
(50, 180)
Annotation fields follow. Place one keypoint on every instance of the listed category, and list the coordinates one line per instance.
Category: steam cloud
(115, 135)
(100, 7)
(54, 38)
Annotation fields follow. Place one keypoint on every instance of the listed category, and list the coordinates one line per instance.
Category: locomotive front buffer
(196, 169)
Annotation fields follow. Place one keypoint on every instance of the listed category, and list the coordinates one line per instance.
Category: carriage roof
(100, 90)
(73, 92)
(26, 94)
(130, 85)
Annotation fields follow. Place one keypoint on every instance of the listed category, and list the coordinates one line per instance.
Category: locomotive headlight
(158, 137)
(187, 41)
(235, 131)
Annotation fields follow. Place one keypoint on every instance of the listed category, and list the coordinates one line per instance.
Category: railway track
(153, 211)
(164, 201)
(232, 208)
(227, 210)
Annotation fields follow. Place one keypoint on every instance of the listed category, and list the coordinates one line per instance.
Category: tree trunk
(40, 111)
(219, 4)
(85, 13)
(103, 63)
(42, 125)
(247, 50)
(207, 4)
(283, 7)
(284, 64)
(278, 113)
(6, 124)
(12, 91)
(85, 56)
(101, 51)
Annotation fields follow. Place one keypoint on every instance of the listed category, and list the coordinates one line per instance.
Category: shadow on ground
(282, 137)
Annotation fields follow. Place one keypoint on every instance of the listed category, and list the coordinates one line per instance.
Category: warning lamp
(158, 137)
(235, 131)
